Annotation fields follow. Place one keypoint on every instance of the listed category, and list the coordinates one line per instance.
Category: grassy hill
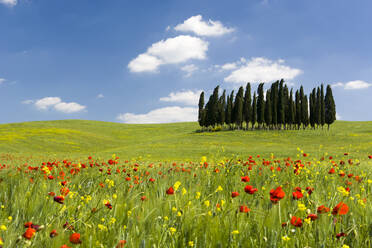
(177, 141)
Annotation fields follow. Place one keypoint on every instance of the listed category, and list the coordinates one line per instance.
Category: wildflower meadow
(309, 200)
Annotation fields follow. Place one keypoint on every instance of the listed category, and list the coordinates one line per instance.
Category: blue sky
(146, 61)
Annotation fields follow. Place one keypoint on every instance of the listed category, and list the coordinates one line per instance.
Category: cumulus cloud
(170, 51)
(262, 70)
(187, 97)
(9, 2)
(100, 96)
(2, 80)
(352, 85)
(161, 115)
(198, 26)
(189, 69)
(338, 117)
(57, 104)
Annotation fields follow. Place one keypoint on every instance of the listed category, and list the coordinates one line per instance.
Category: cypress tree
(201, 110)
(298, 109)
(221, 108)
(318, 105)
(268, 114)
(305, 111)
(322, 106)
(228, 111)
(281, 106)
(260, 105)
(238, 108)
(330, 107)
(212, 112)
(291, 110)
(312, 108)
(254, 110)
(274, 97)
(287, 109)
(247, 106)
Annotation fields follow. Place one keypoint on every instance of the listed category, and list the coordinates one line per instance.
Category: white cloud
(144, 62)
(47, 102)
(170, 51)
(10, 3)
(338, 117)
(71, 107)
(2, 80)
(189, 69)
(161, 115)
(196, 25)
(185, 97)
(353, 85)
(57, 104)
(229, 66)
(100, 96)
(262, 70)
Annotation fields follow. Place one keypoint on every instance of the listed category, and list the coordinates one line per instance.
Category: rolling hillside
(177, 141)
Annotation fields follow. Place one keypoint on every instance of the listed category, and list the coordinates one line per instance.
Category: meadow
(96, 184)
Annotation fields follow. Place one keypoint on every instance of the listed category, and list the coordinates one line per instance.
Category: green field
(179, 141)
(63, 187)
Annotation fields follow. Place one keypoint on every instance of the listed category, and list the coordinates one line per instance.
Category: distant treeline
(279, 109)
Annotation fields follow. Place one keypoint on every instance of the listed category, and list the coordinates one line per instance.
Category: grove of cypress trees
(254, 110)
(330, 107)
(247, 106)
(268, 114)
(212, 110)
(260, 105)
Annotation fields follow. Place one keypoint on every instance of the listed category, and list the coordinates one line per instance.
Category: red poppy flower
(312, 216)
(322, 209)
(121, 244)
(75, 238)
(341, 234)
(30, 232)
(53, 233)
(152, 180)
(143, 198)
(65, 246)
(309, 190)
(59, 199)
(276, 195)
(250, 190)
(50, 177)
(331, 171)
(234, 194)
(296, 221)
(297, 195)
(108, 205)
(64, 191)
(370, 156)
(244, 209)
(340, 209)
(170, 191)
(245, 179)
